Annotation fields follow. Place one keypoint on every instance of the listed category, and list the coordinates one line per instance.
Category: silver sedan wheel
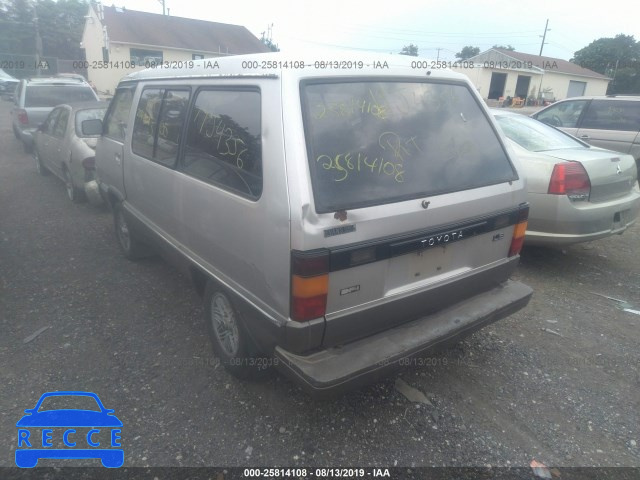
(40, 168)
(68, 183)
(225, 324)
(122, 230)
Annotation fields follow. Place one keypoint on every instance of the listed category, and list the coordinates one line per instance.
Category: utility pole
(438, 55)
(544, 36)
(38, 41)
(161, 2)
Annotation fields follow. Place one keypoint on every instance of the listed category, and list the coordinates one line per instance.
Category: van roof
(313, 64)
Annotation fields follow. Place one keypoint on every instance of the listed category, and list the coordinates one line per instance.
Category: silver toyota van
(337, 216)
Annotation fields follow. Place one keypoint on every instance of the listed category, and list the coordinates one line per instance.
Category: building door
(522, 86)
(496, 88)
(576, 89)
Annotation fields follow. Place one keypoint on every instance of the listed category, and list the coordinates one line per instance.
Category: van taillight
(519, 231)
(309, 284)
(23, 118)
(571, 179)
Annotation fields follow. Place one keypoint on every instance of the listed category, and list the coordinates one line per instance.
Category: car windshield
(69, 402)
(52, 95)
(372, 143)
(88, 114)
(535, 136)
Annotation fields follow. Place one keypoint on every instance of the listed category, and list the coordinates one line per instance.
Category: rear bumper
(555, 220)
(338, 369)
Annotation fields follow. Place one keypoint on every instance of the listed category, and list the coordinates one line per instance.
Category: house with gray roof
(118, 41)
(500, 73)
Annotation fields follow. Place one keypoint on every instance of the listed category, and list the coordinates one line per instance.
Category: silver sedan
(61, 147)
(577, 192)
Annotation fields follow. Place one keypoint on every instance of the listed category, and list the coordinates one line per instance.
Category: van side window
(116, 118)
(223, 143)
(158, 124)
(563, 114)
(146, 121)
(613, 115)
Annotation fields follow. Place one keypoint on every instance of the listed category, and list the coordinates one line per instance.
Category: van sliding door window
(224, 141)
(159, 119)
(371, 143)
(612, 115)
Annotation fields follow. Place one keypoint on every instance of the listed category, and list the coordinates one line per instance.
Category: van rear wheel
(230, 341)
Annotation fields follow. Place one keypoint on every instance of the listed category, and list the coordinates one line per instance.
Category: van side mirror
(92, 127)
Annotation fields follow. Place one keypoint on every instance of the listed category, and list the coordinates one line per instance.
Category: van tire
(130, 246)
(229, 338)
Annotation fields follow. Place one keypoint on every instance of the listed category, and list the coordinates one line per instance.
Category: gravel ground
(557, 382)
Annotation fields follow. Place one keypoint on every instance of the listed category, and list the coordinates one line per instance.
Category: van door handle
(118, 159)
(584, 136)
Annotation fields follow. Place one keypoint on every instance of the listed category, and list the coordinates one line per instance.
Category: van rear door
(416, 202)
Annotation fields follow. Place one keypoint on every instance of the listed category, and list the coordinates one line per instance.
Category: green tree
(467, 52)
(508, 47)
(17, 30)
(269, 43)
(60, 24)
(410, 49)
(61, 27)
(617, 57)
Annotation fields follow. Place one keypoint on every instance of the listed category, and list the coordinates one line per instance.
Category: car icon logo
(48, 431)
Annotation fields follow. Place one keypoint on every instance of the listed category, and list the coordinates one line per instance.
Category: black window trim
(166, 88)
(392, 79)
(182, 149)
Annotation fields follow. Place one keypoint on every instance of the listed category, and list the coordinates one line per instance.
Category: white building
(118, 41)
(500, 73)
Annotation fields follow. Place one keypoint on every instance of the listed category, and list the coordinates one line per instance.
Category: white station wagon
(335, 220)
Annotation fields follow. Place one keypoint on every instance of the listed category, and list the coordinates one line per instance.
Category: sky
(439, 28)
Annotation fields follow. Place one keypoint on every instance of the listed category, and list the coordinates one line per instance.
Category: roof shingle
(551, 64)
(142, 28)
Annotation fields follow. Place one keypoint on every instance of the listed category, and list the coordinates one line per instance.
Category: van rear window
(371, 143)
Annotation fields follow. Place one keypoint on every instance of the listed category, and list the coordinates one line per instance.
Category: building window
(146, 58)
(223, 141)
